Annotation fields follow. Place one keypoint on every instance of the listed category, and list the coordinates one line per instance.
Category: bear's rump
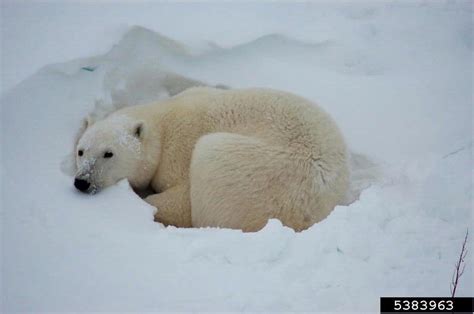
(240, 182)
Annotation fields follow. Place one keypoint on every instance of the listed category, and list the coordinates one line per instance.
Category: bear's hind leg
(240, 182)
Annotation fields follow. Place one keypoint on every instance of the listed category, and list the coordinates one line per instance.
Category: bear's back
(278, 117)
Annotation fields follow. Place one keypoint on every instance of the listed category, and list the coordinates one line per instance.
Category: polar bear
(221, 158)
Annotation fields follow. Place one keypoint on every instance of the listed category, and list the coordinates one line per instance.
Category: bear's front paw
(152, 200)
(170, 209)
(160, 216)
(157, 217)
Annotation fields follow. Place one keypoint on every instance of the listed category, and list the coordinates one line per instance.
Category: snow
(396, 76)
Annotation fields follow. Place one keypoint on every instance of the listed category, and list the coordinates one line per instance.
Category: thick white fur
(124, 87)
(228, 159)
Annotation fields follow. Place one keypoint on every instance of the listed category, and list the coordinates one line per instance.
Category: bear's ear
(139, 129)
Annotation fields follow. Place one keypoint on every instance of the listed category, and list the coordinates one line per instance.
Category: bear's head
(111, 150)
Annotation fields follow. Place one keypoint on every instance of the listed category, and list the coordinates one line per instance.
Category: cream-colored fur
(220, 158)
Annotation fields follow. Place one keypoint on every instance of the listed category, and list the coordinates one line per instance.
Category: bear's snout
(81, 185)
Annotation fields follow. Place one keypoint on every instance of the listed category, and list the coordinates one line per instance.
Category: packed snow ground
(396, 77)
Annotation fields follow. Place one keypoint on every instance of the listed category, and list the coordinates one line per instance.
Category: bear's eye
(108, 155)
(80, 152)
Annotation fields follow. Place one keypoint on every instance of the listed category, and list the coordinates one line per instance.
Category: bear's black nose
(81, 185)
